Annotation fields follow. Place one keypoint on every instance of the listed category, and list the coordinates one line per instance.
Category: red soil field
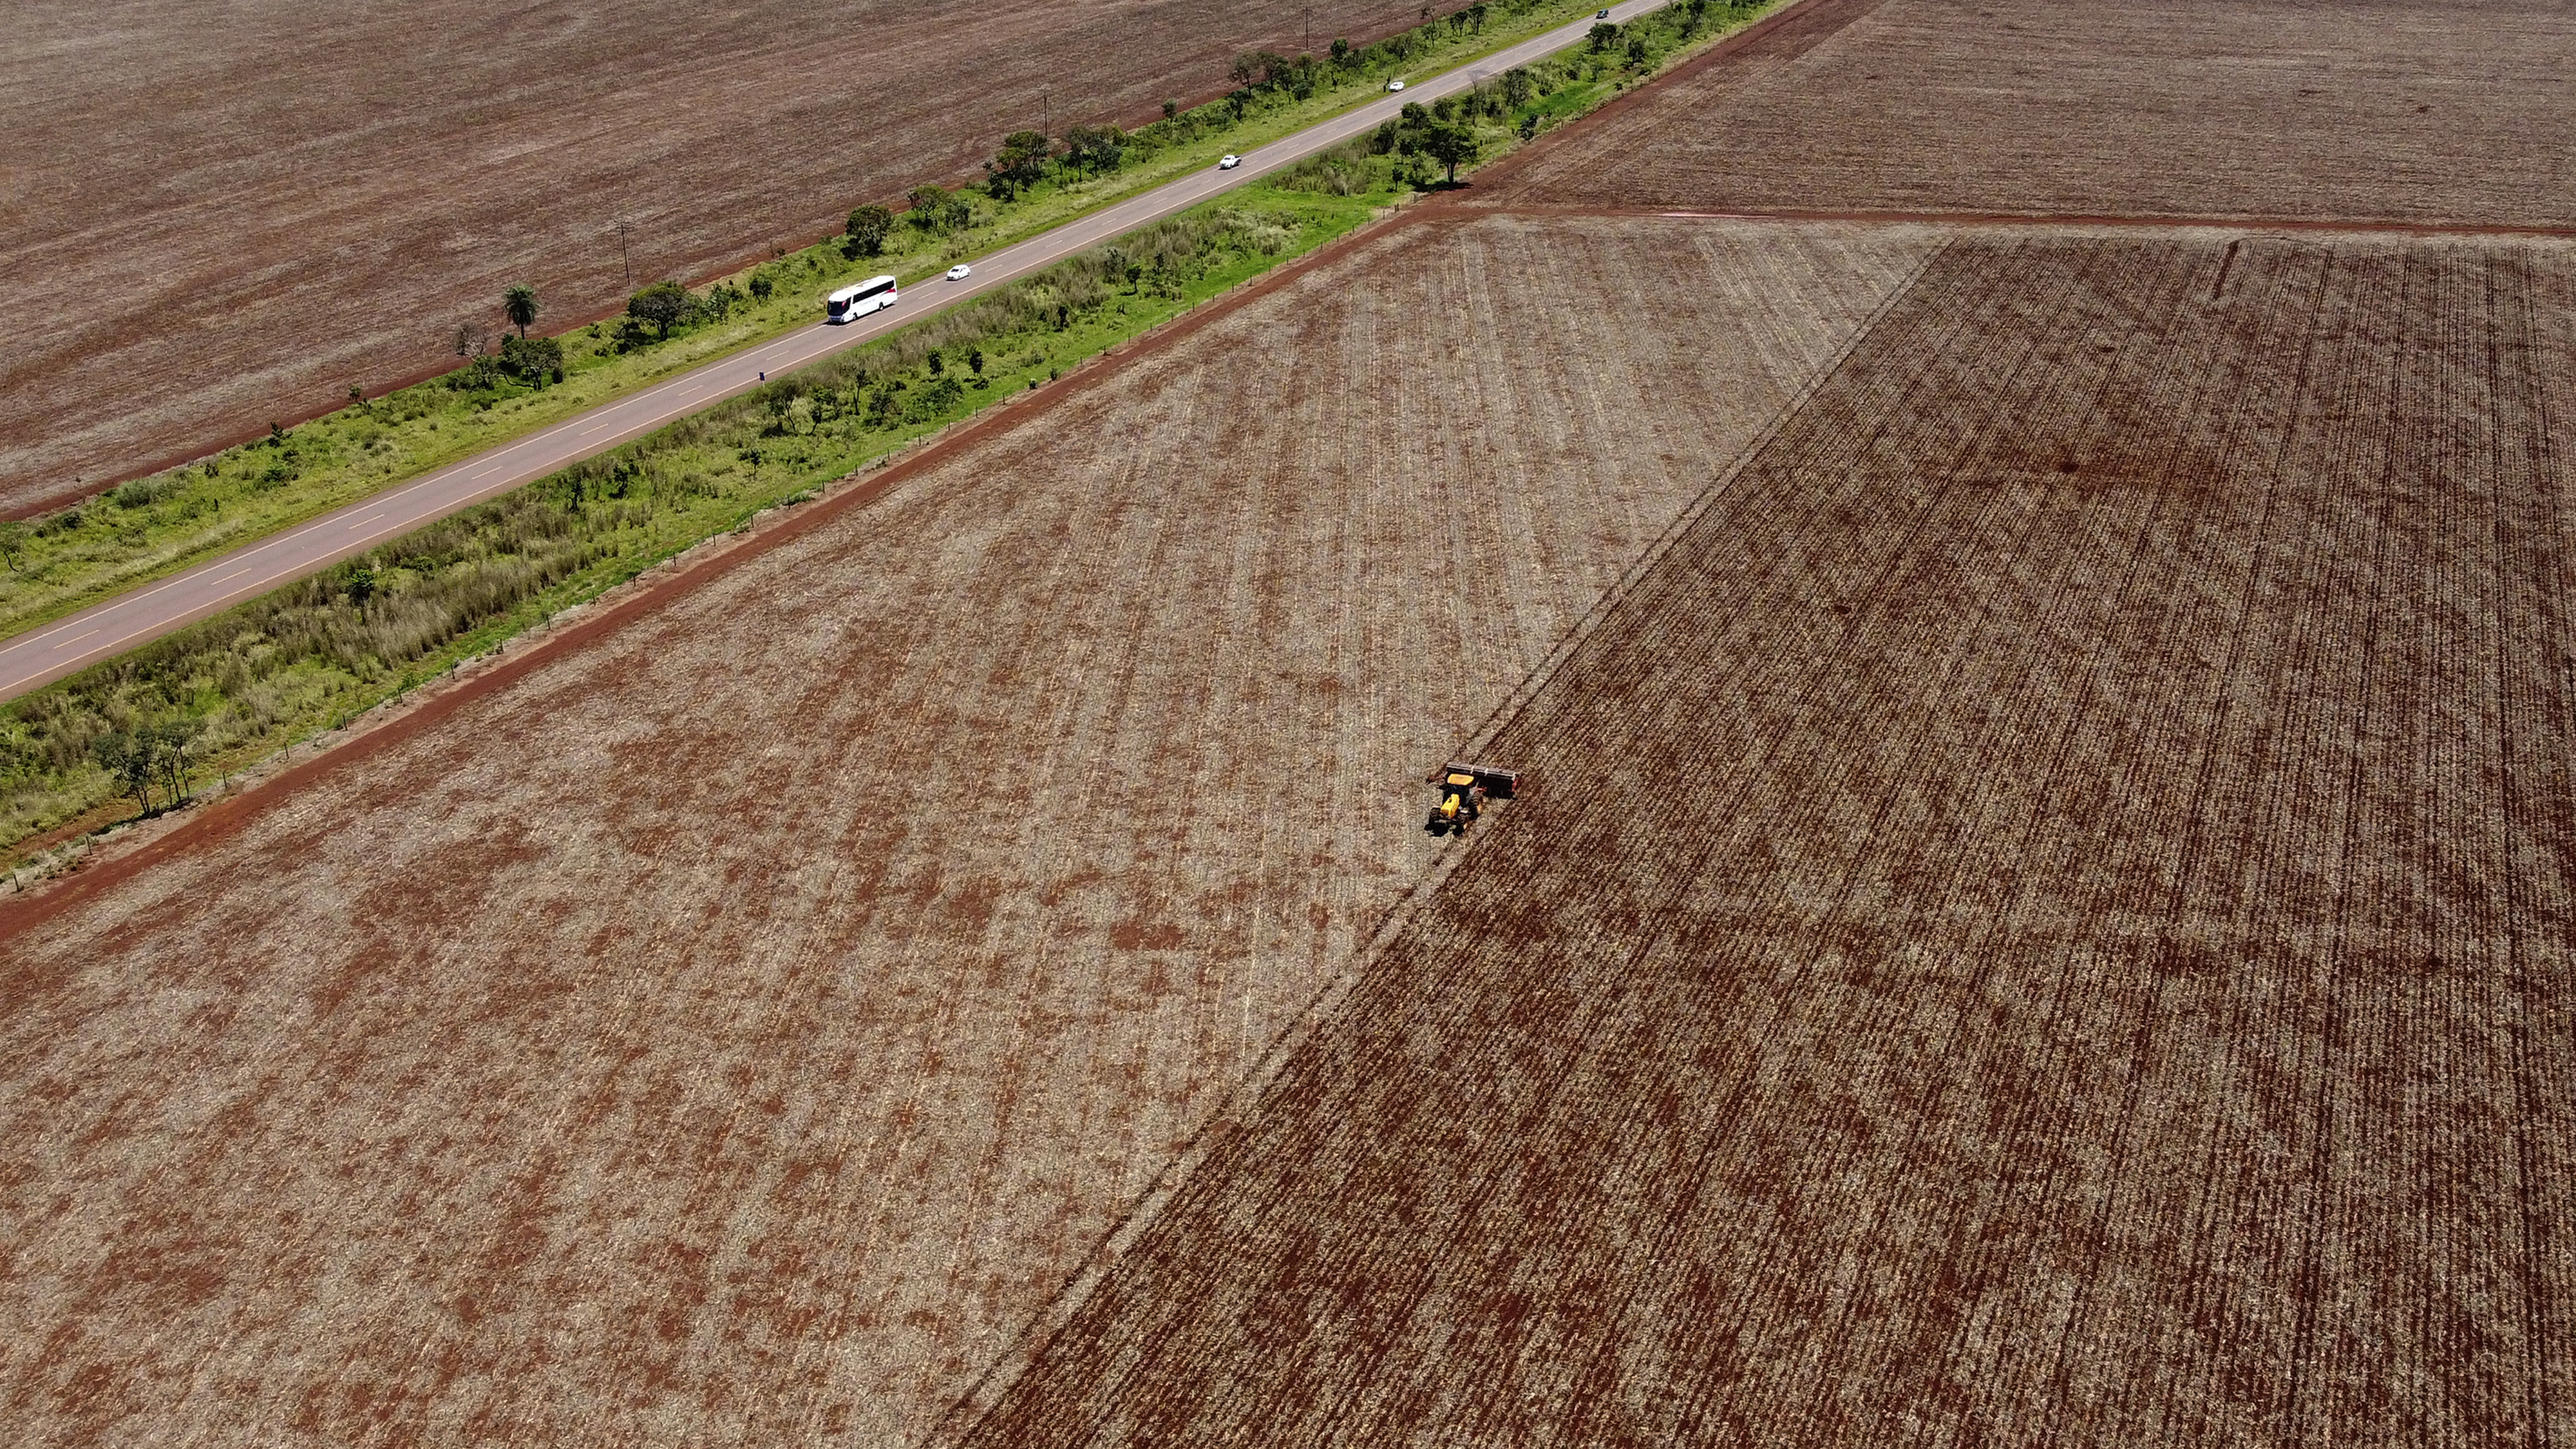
(735, 1029)
(213, 214)
(2047, 917)
(2378, 110)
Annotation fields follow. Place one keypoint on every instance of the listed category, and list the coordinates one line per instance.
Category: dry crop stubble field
(213, 214)
(735, 1029)
(2052, 920)
(2394, 110)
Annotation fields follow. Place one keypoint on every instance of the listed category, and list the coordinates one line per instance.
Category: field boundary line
(1241, 1105)
(2035, 219)
(1244, 1102)
(652, 589)
(1665, 542)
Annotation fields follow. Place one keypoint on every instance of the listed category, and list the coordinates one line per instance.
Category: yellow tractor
(1464, 789)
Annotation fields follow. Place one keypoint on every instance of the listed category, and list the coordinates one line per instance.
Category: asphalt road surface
(40, 656)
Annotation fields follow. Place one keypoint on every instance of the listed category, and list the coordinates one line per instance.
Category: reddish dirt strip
(2396, 110)
(219, 213)
(2049, 916)
(734, 1030)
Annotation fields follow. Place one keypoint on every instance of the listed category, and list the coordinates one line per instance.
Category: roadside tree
(867, 236)
(519, 304)
(663, 305)
(535, 360)
(935, 209)
(168, 745)
(1021, 163)
(127, 758)
(1450, 145)
(1096, 149)
(940, 396)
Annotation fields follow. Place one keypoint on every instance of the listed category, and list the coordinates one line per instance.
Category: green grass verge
(307, 658)
(173, 520)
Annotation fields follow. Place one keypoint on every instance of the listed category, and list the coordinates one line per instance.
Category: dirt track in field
(213, 214)
(2048, 917)
(735, 1030)
(2379, 110)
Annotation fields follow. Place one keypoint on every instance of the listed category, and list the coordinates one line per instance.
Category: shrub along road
(41, 656)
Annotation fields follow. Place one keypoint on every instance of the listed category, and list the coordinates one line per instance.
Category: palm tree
(520, 302)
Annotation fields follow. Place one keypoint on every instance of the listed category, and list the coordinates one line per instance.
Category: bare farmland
(2380, 110)
(220, 213)
(2049, 917)
(735, 1030)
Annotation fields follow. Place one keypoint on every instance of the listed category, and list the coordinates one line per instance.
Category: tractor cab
(1464, 789)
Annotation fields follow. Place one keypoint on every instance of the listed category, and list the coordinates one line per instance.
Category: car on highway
(1600, 14)
(1395, 85)
(1229, 162)
(958, 273)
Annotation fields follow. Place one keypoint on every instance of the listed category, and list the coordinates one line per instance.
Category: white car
(959, 272)
(1230, 162)
(1395, 85)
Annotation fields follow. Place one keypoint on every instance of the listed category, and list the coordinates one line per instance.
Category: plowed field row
(735, 1030)
(2385, 110)
(2045, 918)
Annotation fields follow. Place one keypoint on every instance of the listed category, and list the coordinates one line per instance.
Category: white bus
(859, 299)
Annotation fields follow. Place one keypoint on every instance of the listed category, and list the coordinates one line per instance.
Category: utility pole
(625, 264)
(1309, 47)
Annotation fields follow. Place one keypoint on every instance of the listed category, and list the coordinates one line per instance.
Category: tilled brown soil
(2397, 110)
(216, 213)
(2048, 917)
(737, 1029)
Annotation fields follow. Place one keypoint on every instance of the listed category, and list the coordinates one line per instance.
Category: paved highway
(43, 655)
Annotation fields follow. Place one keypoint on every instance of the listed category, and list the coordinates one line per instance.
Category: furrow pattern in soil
(737, 1029)
(2385, 110)
(2045, 918)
